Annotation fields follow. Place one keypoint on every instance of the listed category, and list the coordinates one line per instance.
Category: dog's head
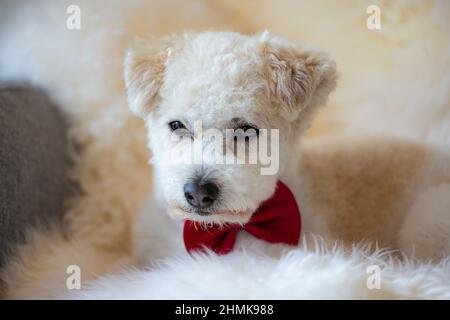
(224, 112)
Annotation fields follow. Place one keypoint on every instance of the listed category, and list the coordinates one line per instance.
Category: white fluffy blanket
(299, 274)
(402, 69)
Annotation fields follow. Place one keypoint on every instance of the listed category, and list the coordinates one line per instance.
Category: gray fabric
(32, 164)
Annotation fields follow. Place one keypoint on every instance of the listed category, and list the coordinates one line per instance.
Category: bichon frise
(225, 113)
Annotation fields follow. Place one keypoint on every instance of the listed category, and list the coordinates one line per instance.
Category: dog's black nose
(201, 195)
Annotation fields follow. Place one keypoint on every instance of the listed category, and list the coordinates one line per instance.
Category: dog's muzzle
(201, 194)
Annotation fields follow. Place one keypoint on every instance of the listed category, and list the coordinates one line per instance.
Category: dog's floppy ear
(299, 80)
(145, 68)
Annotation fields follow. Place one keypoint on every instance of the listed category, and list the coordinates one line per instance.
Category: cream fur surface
(304, 273)
(394, 81)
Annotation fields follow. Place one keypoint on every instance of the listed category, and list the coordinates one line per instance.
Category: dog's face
(224, 112)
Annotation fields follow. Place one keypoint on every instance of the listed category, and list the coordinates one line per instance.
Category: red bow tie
(277, 220)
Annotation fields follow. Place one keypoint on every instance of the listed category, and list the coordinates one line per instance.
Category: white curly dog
(260, 88)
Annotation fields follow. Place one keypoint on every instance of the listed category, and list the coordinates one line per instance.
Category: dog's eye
(175, 125)
(246, 132)
(248, 128)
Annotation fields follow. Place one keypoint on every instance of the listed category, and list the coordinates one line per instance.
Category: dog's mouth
(214, 215)
(199, 212)
(211, 212)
